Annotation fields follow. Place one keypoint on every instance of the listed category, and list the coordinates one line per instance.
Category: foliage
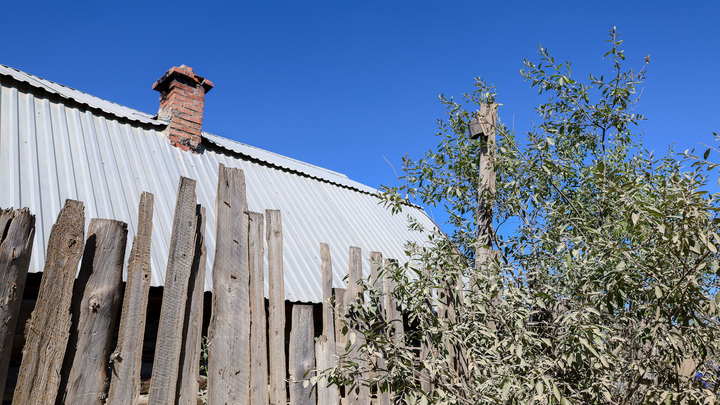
(604, 290)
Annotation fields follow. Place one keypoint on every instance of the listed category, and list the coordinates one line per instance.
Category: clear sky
(346, 85)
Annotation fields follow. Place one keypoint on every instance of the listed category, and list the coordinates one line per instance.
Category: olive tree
(604, 286)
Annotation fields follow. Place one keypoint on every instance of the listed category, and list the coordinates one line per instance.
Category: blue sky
(347, 85)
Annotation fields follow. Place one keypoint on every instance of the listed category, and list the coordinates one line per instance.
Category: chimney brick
(182, 99)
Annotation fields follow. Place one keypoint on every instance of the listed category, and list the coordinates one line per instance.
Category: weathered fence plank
(172, 313)
(392, 307)
(376, 263)
(276, 316)
(340, 318)
(100, 281)
(188, 385)
(16, 239)
(361, 395)
(48, 329)
(302, 355)
(127, 357)
(229, 335)
(258, 332)
(325, 345)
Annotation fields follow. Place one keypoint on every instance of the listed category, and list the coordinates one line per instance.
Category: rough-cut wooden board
(100, 281)
(486, 191)
(187, 389)
(392, 307)
(126, 359)
(169, 341)
(325, 345)
(376, 264)
(258, 331)
(340, 314)
(361, 395)
(229, 335)
(276, 316)
(302, 355)
(48, 329)
(16, 239)
(393, 312)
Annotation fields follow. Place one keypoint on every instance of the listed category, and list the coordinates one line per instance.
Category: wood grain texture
(392, 307)
(169, 340)
(17, 229)
(229, 334)
(340, 319)
(486, 191)
(127, 357)
(188, 384)
(48, 329)
(302, 355)
(258, 331)
(360, 395)
(376, 265)
(276, 315)
(325, 345)
(99, 284)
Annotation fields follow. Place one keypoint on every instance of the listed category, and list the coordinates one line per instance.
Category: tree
(604, 288)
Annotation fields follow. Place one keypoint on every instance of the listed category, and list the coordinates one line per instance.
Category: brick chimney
(182, 98)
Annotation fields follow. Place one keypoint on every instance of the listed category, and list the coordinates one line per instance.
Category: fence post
(302, 355)
(325, 346)
(187, 390)
(258, 338)
(360, 395)
(17, 229)
(276, 317)
(127, 358)
(49, 325)
(376, 263)
(229, 334)
(172, 313)
(99, 282)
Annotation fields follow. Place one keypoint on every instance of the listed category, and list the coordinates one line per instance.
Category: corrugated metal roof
(50, 151)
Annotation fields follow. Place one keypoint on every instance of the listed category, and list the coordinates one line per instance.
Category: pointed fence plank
(258, 332)
(302, 355)
(325, 345)
(16, 240)
(276, 316)
(229, 335)
(188, 385)
(100, 281)
(48, 329)
(172, 313)
(127, 357)
(360, 395)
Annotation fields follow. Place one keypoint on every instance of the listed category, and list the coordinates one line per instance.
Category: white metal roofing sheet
(50, 151)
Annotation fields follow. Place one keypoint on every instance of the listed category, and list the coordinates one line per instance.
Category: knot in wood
(94, 304)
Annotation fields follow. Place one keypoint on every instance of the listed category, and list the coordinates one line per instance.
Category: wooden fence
(68, 355)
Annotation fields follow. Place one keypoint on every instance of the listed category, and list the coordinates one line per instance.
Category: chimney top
(183, 73)
(182, 100)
